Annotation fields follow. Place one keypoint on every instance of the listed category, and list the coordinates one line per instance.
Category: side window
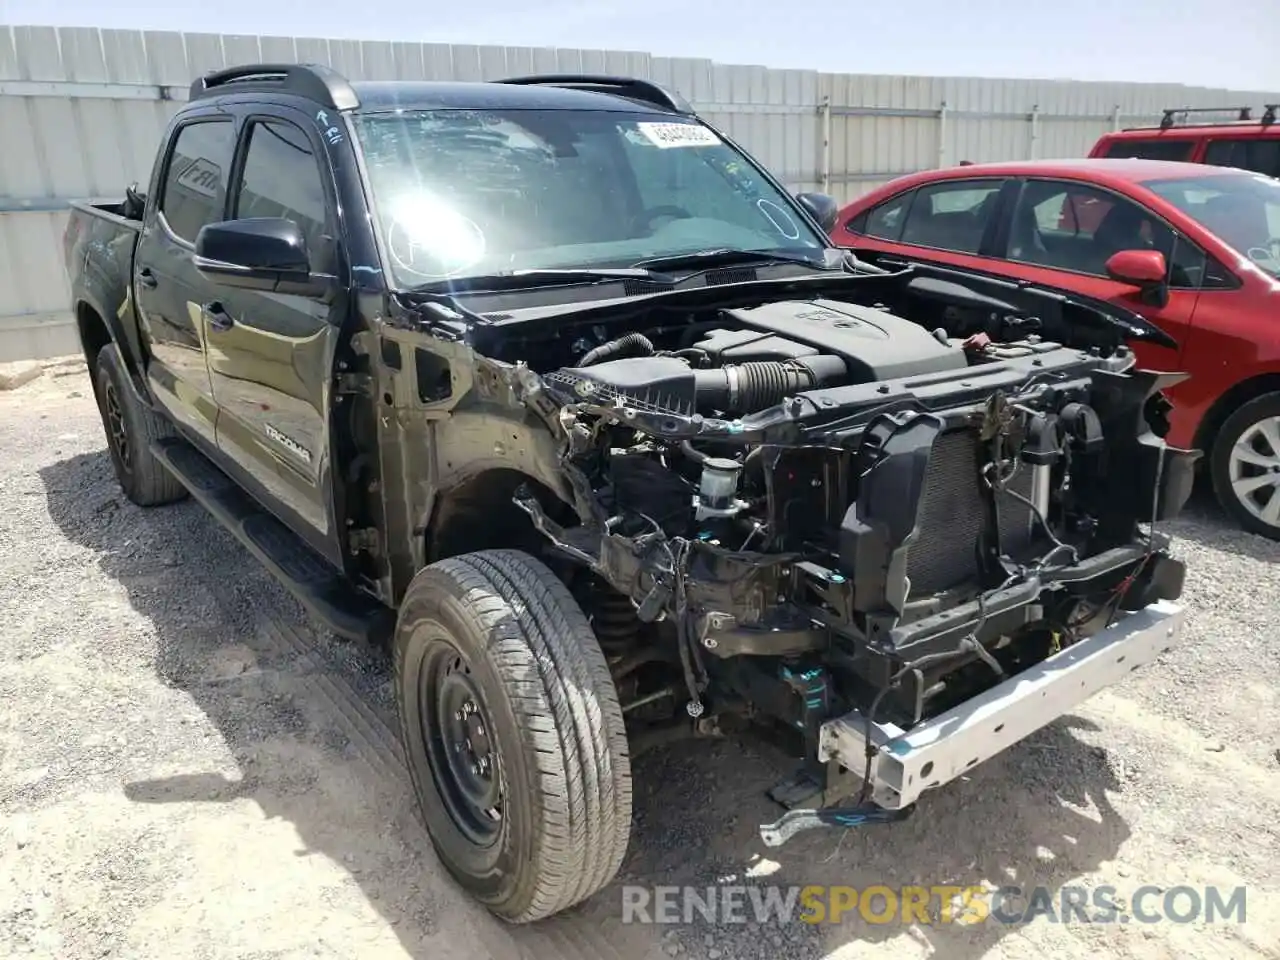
(1218, 277)
(1072, 226)
(885, 221)
(1260, 156)
(281, 178)
(1151, 149)
(195, 181)
(953, 215)
(1187, 265)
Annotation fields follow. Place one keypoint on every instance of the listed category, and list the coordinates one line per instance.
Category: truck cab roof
(331, 91)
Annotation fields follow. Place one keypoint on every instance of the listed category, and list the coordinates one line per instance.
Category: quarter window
(885, 221)
(195, 183)
(953, 215)
(281, 178)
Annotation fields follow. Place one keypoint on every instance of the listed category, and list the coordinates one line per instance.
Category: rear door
(190, 191)
(271, 354)
(948, 221)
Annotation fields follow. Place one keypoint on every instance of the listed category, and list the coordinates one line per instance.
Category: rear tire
(512, 732)
(1245, 464)
(131, 428)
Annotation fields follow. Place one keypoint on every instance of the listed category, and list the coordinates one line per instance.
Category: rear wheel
(131, 428)
(513, 733)
(1246, 465)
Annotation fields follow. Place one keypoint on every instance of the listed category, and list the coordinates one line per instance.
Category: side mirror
(821, 207)
(1144, 269)
(264, 253)
(1138, 267)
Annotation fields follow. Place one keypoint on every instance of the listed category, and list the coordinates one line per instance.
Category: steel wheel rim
(1254, 470)
(461, 752)
(115, 425)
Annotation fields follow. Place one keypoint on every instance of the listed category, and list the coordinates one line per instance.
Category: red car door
(1059, 233)
(1062, 233)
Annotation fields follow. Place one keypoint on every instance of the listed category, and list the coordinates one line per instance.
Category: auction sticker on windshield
(678, 135)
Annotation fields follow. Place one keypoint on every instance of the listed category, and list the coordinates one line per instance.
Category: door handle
(217, 316)
(147, 278)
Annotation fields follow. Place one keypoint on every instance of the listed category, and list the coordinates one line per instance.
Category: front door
(169, 291)
(1071, 229)
(271, 354)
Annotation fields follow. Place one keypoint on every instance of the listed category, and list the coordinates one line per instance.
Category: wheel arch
(1228, 403)
(479, 513)
(93, 330)
(97, 329)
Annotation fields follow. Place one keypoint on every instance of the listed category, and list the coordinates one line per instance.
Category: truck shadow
(1039, 816)
(310, 724)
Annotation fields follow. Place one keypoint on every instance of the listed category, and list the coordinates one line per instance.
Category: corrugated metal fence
(81, 111)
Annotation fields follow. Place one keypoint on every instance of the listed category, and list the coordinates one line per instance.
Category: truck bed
(116, 212)
(97, 247)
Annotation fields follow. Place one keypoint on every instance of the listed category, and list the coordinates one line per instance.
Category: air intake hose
(632, 345)
(748, 387)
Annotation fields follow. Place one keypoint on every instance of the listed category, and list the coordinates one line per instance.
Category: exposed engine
(761, 356)
(750, 361)
(823, 485)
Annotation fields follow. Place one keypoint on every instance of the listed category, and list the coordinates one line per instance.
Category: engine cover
(875, 344)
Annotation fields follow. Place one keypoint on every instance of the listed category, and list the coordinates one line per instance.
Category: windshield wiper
(551, 277)
(728, 255)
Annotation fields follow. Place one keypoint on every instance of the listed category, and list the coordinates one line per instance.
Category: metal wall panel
(81, 111)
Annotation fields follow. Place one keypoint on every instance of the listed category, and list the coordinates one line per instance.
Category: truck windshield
(1242, 209)
(462, 193)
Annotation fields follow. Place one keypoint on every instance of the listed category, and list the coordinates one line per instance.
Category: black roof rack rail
(1269, 116)
(630, 87)
(1244, 113)
(314, 81)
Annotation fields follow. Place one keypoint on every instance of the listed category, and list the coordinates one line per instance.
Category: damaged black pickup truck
(553, 388)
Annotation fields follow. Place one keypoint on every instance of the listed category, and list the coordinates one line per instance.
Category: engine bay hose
(631, 345)
(746, 387)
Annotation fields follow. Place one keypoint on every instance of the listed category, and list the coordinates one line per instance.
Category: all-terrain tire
(131, 428)
(498, 627)
(1260, 415)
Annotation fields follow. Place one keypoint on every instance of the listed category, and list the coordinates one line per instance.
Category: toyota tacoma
(551, 387)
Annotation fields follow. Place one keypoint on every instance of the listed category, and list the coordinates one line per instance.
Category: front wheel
(512, 732)
(1246, 465)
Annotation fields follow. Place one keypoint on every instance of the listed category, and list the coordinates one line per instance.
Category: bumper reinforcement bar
(907, 763)
(939, 750)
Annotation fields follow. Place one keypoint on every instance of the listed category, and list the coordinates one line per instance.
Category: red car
(1194, 249)
(1248, 143)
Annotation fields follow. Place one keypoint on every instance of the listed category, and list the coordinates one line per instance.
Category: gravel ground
(188, 768)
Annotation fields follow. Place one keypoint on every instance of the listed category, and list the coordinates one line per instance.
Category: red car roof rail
(1244, 114)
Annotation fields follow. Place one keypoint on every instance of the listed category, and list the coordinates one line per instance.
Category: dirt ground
(190, 769)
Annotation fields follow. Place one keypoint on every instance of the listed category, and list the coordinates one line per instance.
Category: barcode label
(678, 135)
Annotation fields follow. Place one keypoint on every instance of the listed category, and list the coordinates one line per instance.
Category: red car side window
(952, 214)
(1162, 149)
(885, 221)
(1256, 154)
(1076, 227)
